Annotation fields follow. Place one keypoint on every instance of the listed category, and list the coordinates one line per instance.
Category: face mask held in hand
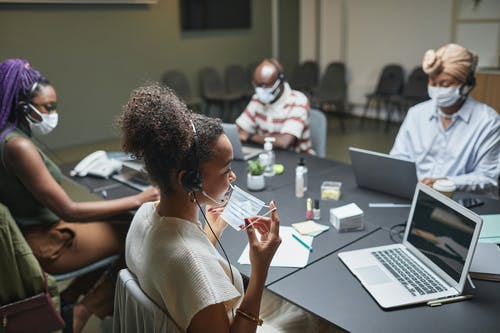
(241, 205)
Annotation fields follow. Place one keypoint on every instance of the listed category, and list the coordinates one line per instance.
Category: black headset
(26, 101)
(192, 180)
(281, 75)
(470, 82)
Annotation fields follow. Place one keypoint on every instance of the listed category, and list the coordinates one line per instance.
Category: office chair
(318, 129)
(177, 81)
(390, 83)
(135, 312)
(305, 77)
(414, 92)
(237, 84)
(331, 95)
(214, 92)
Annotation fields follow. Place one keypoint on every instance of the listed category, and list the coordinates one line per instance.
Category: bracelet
(246, 316)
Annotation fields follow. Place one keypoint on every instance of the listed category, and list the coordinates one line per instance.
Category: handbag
(33, 314)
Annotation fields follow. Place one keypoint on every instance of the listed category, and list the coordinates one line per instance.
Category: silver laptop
(133, 175)
(433, 260)
(383, 173)
(240, 152)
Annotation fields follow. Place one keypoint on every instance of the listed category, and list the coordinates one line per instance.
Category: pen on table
(302, 242)
(269, 212)
(441, 301)
(387, 205)
(105, 187)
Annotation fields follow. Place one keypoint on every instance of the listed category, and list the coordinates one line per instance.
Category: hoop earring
(191, 196)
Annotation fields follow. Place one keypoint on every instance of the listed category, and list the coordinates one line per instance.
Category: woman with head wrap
(50, 220)
(452, 135)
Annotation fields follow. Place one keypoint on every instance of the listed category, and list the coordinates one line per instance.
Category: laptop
(431, 263)
(240, 152)
(133, 175)
(384, 173)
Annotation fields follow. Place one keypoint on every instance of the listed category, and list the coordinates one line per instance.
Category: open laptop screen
(442, 234)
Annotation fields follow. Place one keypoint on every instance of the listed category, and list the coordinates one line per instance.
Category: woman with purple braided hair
(64, 235)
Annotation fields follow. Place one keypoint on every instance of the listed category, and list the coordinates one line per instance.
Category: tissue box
(347, 218)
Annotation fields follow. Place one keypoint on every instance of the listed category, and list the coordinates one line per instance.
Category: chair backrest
(416, 86)
(391, 80)
(211, 82)
(333, 83)
(176, 80)
(318, 132)
(305, 76)
(235, 78)
(135, 312)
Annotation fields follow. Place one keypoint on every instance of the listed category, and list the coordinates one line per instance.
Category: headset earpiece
(192, 180)
(470, 82)
(25, 108)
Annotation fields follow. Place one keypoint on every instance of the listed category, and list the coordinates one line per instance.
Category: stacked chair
(305, 77)
(177, 80)
(414, 92)
(390, 84)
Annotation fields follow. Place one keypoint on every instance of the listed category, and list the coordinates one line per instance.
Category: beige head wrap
(451, 59)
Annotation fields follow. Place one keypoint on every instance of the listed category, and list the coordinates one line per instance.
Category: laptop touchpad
(372, 275)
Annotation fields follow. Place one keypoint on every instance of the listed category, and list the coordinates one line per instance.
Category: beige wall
(95, 54)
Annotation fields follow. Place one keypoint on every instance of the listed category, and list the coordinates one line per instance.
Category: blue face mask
(241, 205)
(444, 96)
(267, 95)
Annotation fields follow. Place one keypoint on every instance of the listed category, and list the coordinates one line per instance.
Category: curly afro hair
(156, 127)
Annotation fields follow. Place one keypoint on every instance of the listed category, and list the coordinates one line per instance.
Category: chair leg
(390, 107)
(365, 110)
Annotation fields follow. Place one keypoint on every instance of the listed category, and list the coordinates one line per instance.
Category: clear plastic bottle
(268, 149)
(302, 164)
(300, 178)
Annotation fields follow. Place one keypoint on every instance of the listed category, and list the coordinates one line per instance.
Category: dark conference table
(325, 286)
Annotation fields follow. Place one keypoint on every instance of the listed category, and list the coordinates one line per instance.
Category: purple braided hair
(16, 79)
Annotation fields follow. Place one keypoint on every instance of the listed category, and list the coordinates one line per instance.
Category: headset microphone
(217, 202)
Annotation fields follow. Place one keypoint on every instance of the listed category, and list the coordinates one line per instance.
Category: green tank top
(24, 207)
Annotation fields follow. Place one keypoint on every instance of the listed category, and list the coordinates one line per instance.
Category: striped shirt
(288, 115)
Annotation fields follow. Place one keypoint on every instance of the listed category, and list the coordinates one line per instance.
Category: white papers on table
(290, 253)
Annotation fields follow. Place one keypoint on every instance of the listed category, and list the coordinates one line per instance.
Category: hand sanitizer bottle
(268, 150)
(303, 167)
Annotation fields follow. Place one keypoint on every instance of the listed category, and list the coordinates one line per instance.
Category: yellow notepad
(309, 228)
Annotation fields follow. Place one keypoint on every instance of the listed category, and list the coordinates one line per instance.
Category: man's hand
(430, 181)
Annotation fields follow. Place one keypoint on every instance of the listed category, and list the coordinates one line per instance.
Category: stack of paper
(347, 218)
(490, 232)
(291, 253)
(310, 228)
(486, 262)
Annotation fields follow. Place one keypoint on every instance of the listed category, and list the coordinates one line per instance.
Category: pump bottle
(302, 165)
(268, 150)
(300, 178)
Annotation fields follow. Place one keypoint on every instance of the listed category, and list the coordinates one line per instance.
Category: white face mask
(241, 205)
(267, 95)
(444, 96)
(48, 123)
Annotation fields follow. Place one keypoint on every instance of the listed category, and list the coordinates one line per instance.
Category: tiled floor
(372, 137)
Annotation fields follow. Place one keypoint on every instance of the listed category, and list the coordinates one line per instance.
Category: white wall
(373, 33)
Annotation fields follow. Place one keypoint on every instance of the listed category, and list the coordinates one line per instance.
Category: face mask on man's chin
(444, 96)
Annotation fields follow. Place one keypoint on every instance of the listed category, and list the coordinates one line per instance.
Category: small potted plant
(255, 176)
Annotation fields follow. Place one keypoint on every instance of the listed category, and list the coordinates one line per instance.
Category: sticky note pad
(309, 228)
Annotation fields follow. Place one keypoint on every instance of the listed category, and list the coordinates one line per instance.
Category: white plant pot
(256, 183)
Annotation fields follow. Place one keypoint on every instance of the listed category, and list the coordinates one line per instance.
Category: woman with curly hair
(173, 256)
(64, 235)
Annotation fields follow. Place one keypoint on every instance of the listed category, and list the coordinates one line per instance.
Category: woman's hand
(151, 193)
(262, 251)
(213, 215)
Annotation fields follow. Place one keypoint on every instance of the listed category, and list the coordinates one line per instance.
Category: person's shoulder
(422, 109)
(18, 146)
(298, 97)
(487, 112)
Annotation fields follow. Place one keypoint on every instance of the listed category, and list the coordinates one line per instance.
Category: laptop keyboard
(416, 280)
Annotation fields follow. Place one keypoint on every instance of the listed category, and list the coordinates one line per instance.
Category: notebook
(433, 260)
(240, 152)
(383, 173)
